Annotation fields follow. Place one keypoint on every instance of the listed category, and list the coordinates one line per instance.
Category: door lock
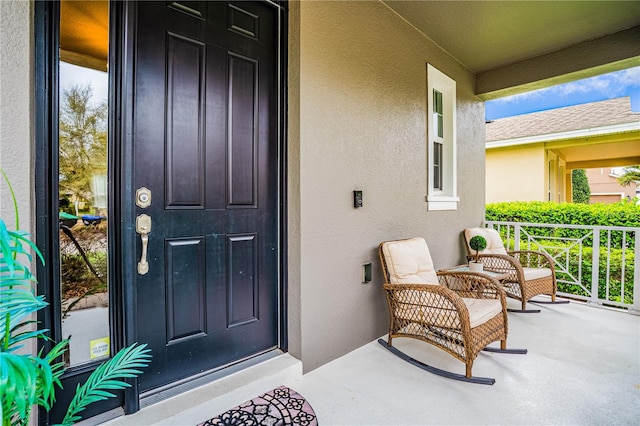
(143, 197)
(143, 227)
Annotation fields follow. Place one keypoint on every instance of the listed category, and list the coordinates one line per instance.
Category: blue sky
(599, 88)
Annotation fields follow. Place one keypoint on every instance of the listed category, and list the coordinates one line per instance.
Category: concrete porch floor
(583, 368)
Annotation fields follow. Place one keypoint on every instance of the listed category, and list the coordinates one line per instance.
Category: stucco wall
(362, 126)
(516, 174)
(294, 296)
(605, 187)
(16, 97)
(16, 112)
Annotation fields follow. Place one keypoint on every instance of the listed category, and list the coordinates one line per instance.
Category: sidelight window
(82, 181)
(441, 144)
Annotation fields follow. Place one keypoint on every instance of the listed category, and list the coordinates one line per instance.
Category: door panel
(205, 143)
(243, 97)
(185, 118)
(242, 285)
(185, 286)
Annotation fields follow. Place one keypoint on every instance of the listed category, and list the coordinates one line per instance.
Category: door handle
(143, 227)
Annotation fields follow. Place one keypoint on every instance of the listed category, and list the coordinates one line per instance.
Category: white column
(595, 267)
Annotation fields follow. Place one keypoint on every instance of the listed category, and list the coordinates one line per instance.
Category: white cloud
(522, 97)
(612, 85)
(629, 77)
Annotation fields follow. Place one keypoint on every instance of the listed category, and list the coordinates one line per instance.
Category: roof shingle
(577, 117)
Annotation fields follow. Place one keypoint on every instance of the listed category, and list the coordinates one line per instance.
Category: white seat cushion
(494, 242)
(482, 310)
(409, 262)
(535, 273)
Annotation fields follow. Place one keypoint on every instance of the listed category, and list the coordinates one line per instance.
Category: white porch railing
(597, 264)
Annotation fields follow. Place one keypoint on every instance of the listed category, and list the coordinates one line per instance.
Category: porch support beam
(602, 55)
(605, 162)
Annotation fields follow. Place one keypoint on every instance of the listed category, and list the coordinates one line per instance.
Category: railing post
(516, 237)
(635, 308)
(595, 267)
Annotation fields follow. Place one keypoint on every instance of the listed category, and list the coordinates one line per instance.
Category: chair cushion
(409, 262)
(536, 273)
(480, 311)
(494, 242)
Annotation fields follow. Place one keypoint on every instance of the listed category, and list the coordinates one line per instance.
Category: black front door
(204, 146)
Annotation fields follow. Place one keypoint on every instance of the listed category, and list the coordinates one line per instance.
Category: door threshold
(156, 395)
(207, 395)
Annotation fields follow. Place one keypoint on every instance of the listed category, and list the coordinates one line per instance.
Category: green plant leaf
(13, 196)
(107, 376)
(21, 378)
(27, 380)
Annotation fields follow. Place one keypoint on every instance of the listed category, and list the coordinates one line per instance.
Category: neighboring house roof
(610, 116)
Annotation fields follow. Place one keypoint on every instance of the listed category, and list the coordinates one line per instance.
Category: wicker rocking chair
(530, 273)
(458, 312)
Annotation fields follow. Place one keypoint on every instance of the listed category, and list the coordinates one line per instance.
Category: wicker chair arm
(533, 259)
(431, 296)
(472, 285)
(501, 263)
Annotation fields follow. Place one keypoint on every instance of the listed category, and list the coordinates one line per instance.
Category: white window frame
(447, 198)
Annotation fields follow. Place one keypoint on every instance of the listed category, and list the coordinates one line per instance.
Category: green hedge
(618, 214)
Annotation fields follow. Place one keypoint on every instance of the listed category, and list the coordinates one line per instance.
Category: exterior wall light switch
(357, 199)
(366, 272)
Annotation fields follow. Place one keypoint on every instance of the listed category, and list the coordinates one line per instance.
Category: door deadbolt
(143, 197)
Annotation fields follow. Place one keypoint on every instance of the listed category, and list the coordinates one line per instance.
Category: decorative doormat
(281, 406)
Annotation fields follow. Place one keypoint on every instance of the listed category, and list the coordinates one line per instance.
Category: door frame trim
(46, 145)
(123, 53)
(283, 159)
(123, 82)
(45, 127)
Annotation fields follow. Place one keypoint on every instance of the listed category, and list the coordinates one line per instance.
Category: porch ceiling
(497, 40)
(484, 35)
(600, 153)
(518, 46)
(84, 33)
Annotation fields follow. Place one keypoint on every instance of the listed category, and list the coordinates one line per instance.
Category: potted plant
(477, 243)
